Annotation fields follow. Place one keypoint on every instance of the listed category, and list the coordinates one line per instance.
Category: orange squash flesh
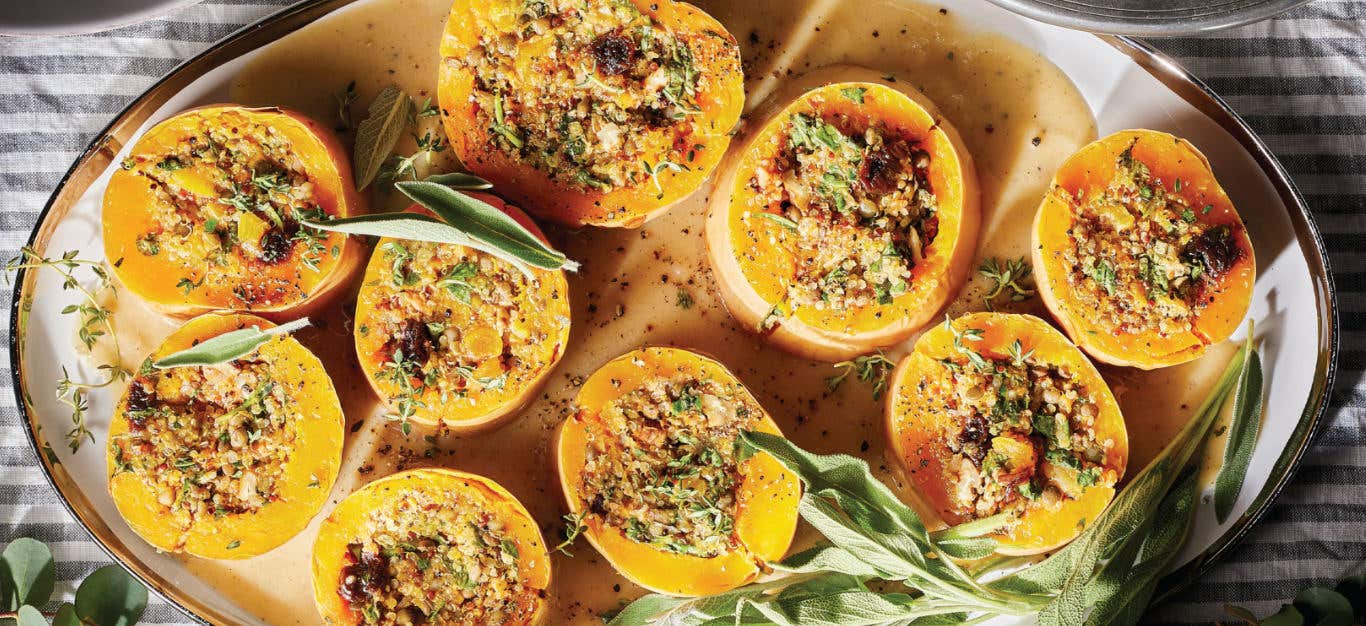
(921, 429)
(766, 497)
(520, 356)
(1184, 173)
(756, 261)
(308, 474)
(186, 248)
(349, 521)
(694, 141)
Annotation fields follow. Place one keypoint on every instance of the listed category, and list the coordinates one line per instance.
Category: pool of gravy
(1019, 115)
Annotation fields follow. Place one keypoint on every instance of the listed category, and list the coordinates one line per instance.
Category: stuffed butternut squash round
(602, 113)
(1140, 254)
(998, 413)
(451, 335)
(847, 222)
(205, 212)
(225, 461)
(430, 546)
(650, 466)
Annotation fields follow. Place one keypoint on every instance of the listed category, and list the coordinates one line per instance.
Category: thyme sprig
(868, 368)
(94, 320)
(1010, 278)
(573, 527)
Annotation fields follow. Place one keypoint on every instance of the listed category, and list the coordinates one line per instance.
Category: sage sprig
(378, 132)
(1242, 435)
(226, 347)
(461, 220)
(1107, 575)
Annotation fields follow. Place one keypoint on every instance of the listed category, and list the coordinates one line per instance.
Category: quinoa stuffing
(453, 325)
(855, 205)
(1025, 431)
(662, 466)
(426, 560)
(210, 440)
(229, 197)
(597, 95)
(1142, 255)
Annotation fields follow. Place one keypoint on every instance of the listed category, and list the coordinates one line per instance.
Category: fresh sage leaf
(110, 597)
(460, 180)
(1072, 568)
(483, 222)
(227, 347)
(968, 541)
(828, 558)
(1125, 602)
(31, 571)
(66, 616)
(29, 616)
(968, 548)
(1242, 434)
(860, 514)
(725, 607)
(377, 134)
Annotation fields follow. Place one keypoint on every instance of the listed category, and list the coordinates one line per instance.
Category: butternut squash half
(225, 461)
(654, 437)
(847, 222)
(998, 413)
(205, 213)
(604, 113)
(449, 335)
(430, 546)
(1141, 256)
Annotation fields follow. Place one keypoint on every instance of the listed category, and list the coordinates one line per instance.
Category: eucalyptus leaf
(375, 137)
(29, 616)
(110, 597)
(1324, 607)
(1242, 435)
(1287, 616)
(227, 347)
(31, 573)
(460, 180)
(1354, 589)
(66, 616)
(483, 222)
(1241, 613)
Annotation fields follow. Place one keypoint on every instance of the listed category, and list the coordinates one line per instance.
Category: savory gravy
(1019, 115)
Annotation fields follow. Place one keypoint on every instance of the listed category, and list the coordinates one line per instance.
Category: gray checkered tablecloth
(1300, 81)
